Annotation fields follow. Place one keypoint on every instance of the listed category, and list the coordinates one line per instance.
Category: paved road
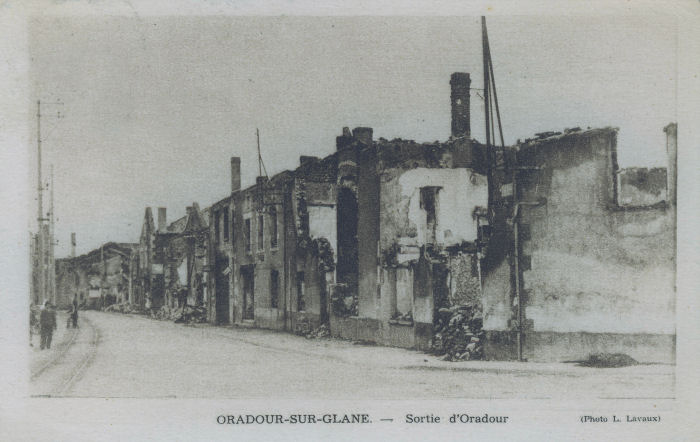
(55, 371)
(115, 355)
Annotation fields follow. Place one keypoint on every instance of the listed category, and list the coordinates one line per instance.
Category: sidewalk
(390, 357)
(61, 339)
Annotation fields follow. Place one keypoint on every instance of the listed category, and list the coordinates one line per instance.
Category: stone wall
(587, 264)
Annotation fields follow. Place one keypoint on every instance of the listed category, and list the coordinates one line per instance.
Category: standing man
(47, 324)
(74, 313)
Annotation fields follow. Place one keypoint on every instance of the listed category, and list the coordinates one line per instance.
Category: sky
(155, 107)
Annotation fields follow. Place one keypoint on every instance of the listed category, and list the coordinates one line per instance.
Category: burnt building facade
(583, 260)
(98, 278)
(555, 251)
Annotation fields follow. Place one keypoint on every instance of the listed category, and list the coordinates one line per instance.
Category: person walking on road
(47, 324)
(74, 313)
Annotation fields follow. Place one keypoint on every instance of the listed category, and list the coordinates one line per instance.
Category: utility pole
(40, 212)
(44, 246)
(257, 135)
(487, 96)
(52, 260)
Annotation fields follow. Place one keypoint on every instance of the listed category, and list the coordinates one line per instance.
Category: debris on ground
(608, 360)
(164, 313)
(458, 334)
(320, 332)
(124, 307)
(403, 317)
(192, 314)
(187, 314)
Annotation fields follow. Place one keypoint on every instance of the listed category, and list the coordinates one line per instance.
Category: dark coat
(47, 320)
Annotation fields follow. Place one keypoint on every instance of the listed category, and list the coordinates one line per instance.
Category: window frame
(274, 230)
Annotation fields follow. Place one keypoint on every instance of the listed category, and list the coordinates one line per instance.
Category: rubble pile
(302, 327)
(124, 307)
(187, 314)
(191, 314)
(319, 333)
(403, 317)
(458, 334)
(164, 313)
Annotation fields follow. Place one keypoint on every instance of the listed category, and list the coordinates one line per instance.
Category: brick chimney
(363, 135)
(460, 82)
(343, 140)
(235, 174)
(162, 220)
(72, 245)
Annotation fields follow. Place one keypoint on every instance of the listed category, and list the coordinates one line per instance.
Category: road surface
(114, 355)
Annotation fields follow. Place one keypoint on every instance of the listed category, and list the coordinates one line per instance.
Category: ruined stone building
(583, 260)
(99, 277)
(364, 240)
(555, 250)
(169, 266)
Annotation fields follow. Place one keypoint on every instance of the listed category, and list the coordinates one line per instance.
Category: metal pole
(257, 135)
(516, 259)
(486, 82)
(493, 84)
(52, 262)
(40, 214)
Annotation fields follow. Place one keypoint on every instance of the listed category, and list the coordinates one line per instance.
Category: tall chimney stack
(344, 140)
(363, 135)
(162, 220)
(72, 245)
(235, 174)
(460, 82)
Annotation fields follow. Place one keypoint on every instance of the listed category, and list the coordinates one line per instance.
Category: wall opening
(404, 291)
(429, 203)
(273, 227)
(226, 225)
(248, 278)
(348, 259)
(217, 230)
(274, 288)
(222, 291)
(301, 302)
(247, 232)
(261, 232)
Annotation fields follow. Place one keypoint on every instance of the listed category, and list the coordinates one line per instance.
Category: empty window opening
(348, 260)
(301, 303)
(428, 202)
(226, 225)
(274, 288)
(247, 233)
(233, 225)
(217, 230)
(248, 276)
(273, 227)
(261, 232)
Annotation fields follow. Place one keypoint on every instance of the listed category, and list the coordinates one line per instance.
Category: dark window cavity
(274, 288)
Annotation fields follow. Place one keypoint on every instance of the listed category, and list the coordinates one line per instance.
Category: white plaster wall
(404, 290)
(322, 224)
(496, 299)
(462, 191)
(618, 299)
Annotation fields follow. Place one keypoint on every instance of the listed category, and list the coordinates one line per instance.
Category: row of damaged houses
(558, 251)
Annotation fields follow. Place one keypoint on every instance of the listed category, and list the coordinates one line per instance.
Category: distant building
(99, 278)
